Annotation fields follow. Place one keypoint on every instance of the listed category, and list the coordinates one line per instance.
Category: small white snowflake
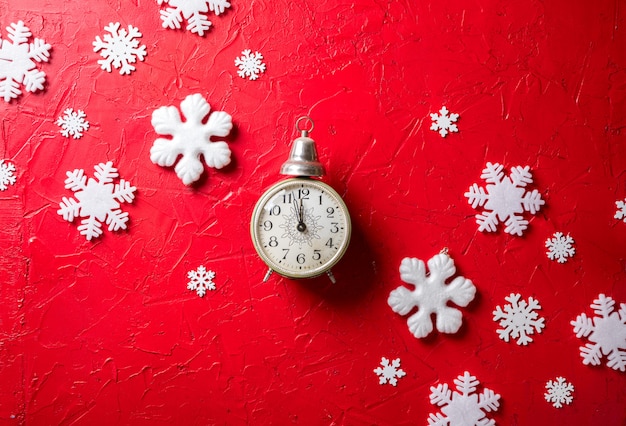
(73, 123)
(606, 332)
(389, 372)
(463, 407)
(120, 48)
(193, 11)
(250, 65)
(6, 175)
(444, 122)
(560, 247)
(559, 392)
(519, 319)
(201, 280)
(620, 214)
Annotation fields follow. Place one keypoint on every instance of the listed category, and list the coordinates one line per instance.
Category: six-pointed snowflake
(98, 200)
(190, 139)
(431, 295)
(621, 210)
(519, 319)
(560, 247)
(606, 332)
(506, 197)
(120, 48)
(17, 62)
(73, 123)
(6, 175)
(201, 280)
(250, 65)
(463, 407)
(193, 11)
(559, 392)
(444, 122)
(389, 372)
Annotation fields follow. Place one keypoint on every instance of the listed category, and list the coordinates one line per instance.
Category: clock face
(300, 227)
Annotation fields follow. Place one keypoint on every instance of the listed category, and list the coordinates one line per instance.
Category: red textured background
(105, 332)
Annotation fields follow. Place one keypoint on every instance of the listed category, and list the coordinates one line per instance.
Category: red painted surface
(105, 332)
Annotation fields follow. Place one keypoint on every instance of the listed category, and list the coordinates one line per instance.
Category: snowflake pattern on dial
(73, 123)
(505, 198)
(201, 280)
(463, 407)
(190, 139)
(620, 214)
(389, 372)
(444, 122)
(519, 319)
(120, 48)
(559, 392)
(560, 247)
(250, 65)
(98, 200)
(431, 295)
(606, 332)
(194, 11)
(18, 62)
(6, 175)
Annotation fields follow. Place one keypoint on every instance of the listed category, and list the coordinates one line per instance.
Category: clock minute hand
(301, 225)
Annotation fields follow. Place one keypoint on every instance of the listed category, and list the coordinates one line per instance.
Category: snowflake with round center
(73, 123)
(444, 122)
(621, 210)
(6, 175)
(559, 392)
(519, 319)
(389, 372)
(250, 65)
(560, 247)
(201, 280)
(194, 11)
(291, 228)
(120, 48)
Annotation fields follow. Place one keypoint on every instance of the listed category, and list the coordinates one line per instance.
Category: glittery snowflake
(621, 210)
(194, 11)
(250, 65)
(6, 175)
(201, 280)
(519, 319)
(560, 247)
(389, 372)
(120, 48)
(73, 123)
(444, 122)
(559, 392)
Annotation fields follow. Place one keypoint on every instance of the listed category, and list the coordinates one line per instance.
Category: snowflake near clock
(389, 372)
(201, 280)
(444, 122)
(194, 11)
(620, 214)
(120, 48)
(560, 247)
(6, 175)
(73, 123)
(519, 319)
(559, 392)
(250, 65)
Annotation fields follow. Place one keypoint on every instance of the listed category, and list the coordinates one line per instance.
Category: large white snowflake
(250, 65)
(431, 295)
(560, 247)
(519, 319)
(620, 213)
(120, 48)
(505, 198)
(389, 372)
(191, 138)
(194, 11)
(463, 407)
(559, 392)
(606, 332)
(73, 123)
(98, 200)
(6, 175)
(17, 62)
(444, 122)
(201, 280)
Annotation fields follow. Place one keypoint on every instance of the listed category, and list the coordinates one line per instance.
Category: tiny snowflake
(463, 407)
(560, 247)
(191, 138)
(559, 392)
(606, 332)
(431, 295)
(98, 200)
(6, 175)
(621, 210)
(389, 372)
(519, 319)
(505, 198)
(444, 122)
(250, 65)
(193, 11)
(119, 48)
(201, 280)
(18, 59)
(73, 123)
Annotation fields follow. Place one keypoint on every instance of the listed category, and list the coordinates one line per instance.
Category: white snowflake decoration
(560, 247)
(389, 372)
(444, 122)
(190, 139)
(559, 392)
(194, 11)
(431, 295)
(519, 319)
(201, 280)
(606, 332)
(6, 175)
(250, 65)
(18, 62)
(120, 48)
(98, 200)
(73, 123)
(506, 197)
(620, 214)
(463, 407)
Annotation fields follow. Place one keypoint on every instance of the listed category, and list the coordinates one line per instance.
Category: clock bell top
(303, 156)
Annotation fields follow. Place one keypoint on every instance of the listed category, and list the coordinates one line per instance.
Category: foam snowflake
(193, 11)
(190, 139)
(6, 175)
(444, 122)
(519, 319)
(463, 407)
(606, 332)
(505, 198)
(201, 280)
(250, 65)
(560, 247)
(73, 123)
(120, 48)
(559, 392)
(98, 200)
(389, 372)
(621, 210)
(431, 295)
(18, 62)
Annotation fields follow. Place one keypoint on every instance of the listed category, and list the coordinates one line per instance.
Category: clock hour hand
(301, 225)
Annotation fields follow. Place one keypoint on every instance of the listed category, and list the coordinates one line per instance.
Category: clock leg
(331, 277)
(267, 275)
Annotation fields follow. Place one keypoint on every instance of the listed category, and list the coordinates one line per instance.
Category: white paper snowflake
(621, 210)
(6, 175)
(250, 65)
(73, 123)
(505, 198)
(444, 122)
(606, 332)
(559, 392)
(560, 247)
(191, 138)
(17, 62)
(519, 319)
(389, 372)
(98, 200)
(193, 11)
(463, 407)
(201, 280)
(431, 295)
(120, 48)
